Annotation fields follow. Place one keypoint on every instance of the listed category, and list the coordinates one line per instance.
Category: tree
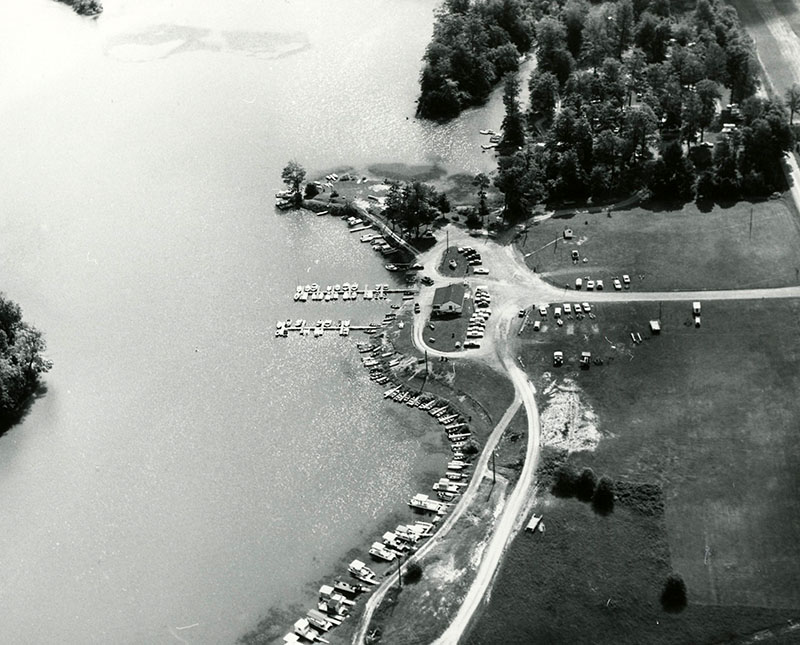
(574, 17)
(708, 93)
(565, 481)
(482, 182)
(640, 124)
(596, 43)
(552, 54)
(742, 68)
(513, 130)
(673, 596)
(793, 100)
(585, 486)
(293, 175)
(603, 498)
(543, 91)
(623, 21)
(413, 573)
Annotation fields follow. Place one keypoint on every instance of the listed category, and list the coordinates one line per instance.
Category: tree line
(621, 100)
(21, 360)
(474, 45)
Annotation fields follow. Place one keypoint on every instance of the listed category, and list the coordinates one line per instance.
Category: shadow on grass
(10, 419)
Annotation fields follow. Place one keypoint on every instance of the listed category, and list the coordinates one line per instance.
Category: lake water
(185, 467)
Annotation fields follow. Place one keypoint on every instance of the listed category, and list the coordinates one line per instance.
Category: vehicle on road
(521, 313)
(426, 280)
(480, 271)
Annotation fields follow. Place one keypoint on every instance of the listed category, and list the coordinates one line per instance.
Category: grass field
(711, 415)
(597, 580)
(671, 250)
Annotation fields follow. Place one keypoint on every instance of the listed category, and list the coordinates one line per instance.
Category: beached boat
(379, 551)
(457, 465)
(329, 594)
(488, 146)
(321, 621)
(361, 571)
(425, 503)
(391, 267)
(345, 587)
(451, 474)
(392, 541)
(445, 486)
(303, 629)
(303, 296)
(490, 132)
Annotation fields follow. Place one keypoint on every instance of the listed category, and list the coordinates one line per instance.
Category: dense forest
(85, 7)
(21, 360)
(474, 44)
(622, 98)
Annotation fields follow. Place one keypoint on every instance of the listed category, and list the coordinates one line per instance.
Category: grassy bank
(688, 248)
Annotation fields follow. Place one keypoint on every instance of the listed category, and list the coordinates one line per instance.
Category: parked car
(567, 308)
(558, 358)
(537, 325)
(590, 285)
(617, 284)
(426, 280)
(626, 279)
(452, 264)
(586, 307)
(575, 255)
(578, 309)
(480, 271)
(543, 310)
(599, 285)
(578, 283)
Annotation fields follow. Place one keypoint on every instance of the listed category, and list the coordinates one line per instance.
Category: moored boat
(379, 551)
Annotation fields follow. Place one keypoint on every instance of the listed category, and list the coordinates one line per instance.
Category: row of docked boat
(336, 600)
(343, 327)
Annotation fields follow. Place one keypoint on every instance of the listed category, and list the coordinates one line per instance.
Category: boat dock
(305, 328)
(349, 291)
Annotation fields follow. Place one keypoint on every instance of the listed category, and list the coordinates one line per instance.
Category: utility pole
(494, 470)
(751, 222)
(399, 575)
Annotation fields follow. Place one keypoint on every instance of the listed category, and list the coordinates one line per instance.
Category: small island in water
(21, 361)
(85, 7)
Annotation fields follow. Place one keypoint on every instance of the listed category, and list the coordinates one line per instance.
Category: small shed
(568, 234)
(449, 300)
(655, 326)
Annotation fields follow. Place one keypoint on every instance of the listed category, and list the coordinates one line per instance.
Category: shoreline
(278, 621)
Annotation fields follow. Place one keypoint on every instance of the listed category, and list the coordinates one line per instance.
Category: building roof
(451, 293)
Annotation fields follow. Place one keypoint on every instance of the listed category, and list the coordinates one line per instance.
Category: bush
(673, 597)
(471, 448)
(311, 191)
(565, 481)
(603, 498)
(473, 220)
(585, 486)
(413, 574)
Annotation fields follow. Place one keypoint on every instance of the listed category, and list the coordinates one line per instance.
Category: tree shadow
(10, 419)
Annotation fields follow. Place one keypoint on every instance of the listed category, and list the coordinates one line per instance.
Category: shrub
(585, 486)
(413, 574)
(565, 481)
(603, 498)
(673, 597)
(311, 191)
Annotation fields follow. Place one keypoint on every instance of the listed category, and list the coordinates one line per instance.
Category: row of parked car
(477, 321)
(591, 285)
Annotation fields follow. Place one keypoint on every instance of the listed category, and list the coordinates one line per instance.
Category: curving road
(513, 287)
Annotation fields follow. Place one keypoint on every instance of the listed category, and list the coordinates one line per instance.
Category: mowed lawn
(712, 415)
(672, 249)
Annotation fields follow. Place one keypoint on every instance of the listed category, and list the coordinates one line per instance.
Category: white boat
(362, 572)
(303, 629)
(378, 550)
(304, 296)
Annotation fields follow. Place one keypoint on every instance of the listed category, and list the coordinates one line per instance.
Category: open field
(710, 414)
(597, 580)
(672, 250)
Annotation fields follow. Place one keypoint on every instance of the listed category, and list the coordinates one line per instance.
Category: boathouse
(449, 300)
